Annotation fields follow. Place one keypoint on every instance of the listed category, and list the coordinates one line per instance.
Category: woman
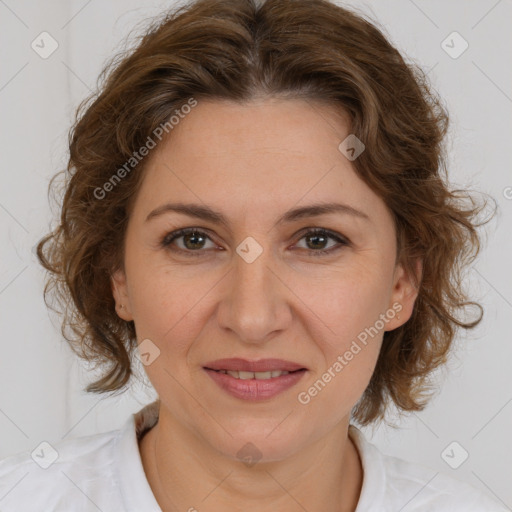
(257, 200)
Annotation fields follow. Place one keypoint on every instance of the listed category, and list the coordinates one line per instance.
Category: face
(257, 282)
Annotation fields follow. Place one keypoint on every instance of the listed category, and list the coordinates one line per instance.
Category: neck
(186, 473)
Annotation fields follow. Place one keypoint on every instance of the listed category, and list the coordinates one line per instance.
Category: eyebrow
(206, 213)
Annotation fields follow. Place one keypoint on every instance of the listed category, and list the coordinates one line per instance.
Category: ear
(404, 294)
(120, 293)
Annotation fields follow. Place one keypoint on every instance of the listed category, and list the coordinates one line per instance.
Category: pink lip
(263, 365)
(254, 389)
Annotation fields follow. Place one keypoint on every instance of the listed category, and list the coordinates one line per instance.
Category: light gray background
(41, 381)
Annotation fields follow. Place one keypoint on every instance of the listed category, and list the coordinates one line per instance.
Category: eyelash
(171, 237)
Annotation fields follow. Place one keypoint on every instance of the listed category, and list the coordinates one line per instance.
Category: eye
(194, 239)
(318, 237)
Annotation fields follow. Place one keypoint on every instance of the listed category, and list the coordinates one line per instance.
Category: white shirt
(104, 472)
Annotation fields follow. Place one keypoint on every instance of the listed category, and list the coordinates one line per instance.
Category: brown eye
(192, 240)
(317, 240)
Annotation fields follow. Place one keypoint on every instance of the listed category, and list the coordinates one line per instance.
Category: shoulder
(425, 489)
(391, 483)
(76, 474)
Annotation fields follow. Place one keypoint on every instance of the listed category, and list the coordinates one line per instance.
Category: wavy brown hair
(238, 50)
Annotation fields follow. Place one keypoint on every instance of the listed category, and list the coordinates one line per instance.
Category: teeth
(246, 375)
(254, 375)
(263, 375)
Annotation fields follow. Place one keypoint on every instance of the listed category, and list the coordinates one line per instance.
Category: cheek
(345, 301)
(170, 304)
(333, 390)
(349, 336)
(342, 383)
(348, 330)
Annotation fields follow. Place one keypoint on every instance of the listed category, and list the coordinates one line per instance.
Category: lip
(254, 390)
(262, 365)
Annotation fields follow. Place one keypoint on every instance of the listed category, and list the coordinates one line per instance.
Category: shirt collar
(373, 489)
(134, 486)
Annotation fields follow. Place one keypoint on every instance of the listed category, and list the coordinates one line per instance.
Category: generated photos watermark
(144, 150)
(304, 397)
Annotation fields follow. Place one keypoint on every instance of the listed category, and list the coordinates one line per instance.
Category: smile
(255, 386)
(254, 375)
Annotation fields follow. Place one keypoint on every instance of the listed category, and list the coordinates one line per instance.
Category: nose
(255, 305)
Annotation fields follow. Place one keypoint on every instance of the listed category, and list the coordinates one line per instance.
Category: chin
(266, 440)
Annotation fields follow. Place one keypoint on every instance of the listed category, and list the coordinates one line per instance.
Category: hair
(239, 50)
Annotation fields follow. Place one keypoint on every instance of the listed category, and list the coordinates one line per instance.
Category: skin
(253, 162)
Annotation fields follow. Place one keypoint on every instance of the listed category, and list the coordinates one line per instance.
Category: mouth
(237, 364)
(242, 375)
(254, 380)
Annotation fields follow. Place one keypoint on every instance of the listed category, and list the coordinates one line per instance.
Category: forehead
(284, 129)
(265, 155)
